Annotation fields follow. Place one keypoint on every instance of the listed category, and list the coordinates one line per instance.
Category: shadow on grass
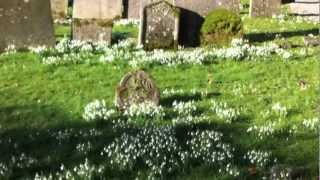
(262, 37)
(119, 36)
(186, 97)
(70, 143)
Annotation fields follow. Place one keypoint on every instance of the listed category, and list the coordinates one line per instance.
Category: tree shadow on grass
(119, 36)
(262, 37)
(185, 97)
(73, 142)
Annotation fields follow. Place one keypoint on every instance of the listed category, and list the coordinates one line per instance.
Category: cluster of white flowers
(4, 170)
(184, 108)
(171, 92)
(127, 22)
(258, 157)
(97, 110)
(263, 131)
(207, 146)
(156, 148)
(224, 112)
(189, 119)
(144, 110)
(186, 113)
(11, 49)
(85, 170)
(64, 21)
(84, 148)
(135, 56)
(312, 124)
(279, 109)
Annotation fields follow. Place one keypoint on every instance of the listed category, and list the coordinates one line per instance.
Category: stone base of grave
(94, 30)
(308, 9)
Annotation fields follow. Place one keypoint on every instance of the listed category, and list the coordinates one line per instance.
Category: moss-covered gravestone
(59, 9)
(93, 20)
(136, 87)
(264, 8)
(159, 26)
(25, 23)
(192, 17)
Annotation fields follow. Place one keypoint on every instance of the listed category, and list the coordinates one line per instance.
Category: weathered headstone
(25, 23)
(136, 87)
(93, 21)
(265, 8)
(59, 9)
(159, 26)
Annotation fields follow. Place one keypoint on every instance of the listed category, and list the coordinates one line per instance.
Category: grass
(39, 102)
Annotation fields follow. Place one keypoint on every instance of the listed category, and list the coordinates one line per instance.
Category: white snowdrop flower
(312, 124)
(280, 109)
(97, 110)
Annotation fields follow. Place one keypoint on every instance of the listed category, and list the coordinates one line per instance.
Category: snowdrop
(97, 110)
(224, 112)
(145, 110)
(312, 124)
(258, 157)
(280, 109)
(263, 131)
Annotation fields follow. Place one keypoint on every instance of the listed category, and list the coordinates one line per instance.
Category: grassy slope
(40, 99)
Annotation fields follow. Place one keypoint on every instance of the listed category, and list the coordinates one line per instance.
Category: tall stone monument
(264, 8)
(93, 21)
(25, 23)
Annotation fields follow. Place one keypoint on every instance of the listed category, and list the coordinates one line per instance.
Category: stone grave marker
(25, 23)
(134, 88)
(193, 14)
(159, 26)
(132, 9)
(264, 8)
(93, 21)
(59, 9)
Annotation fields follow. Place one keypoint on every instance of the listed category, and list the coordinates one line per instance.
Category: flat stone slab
(59, 9)
(134, 88)
(26, 23)
(265, 8)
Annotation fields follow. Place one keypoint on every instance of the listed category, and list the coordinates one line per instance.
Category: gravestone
(93, 21)
(308, 9)
(59, 9)
(25, 23)
(203, 7)
(193, 14)
(136, 87)
(264, 8)
(132, 9)
(159, 26)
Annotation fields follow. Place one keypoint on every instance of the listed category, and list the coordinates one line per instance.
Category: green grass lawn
(41, 124)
